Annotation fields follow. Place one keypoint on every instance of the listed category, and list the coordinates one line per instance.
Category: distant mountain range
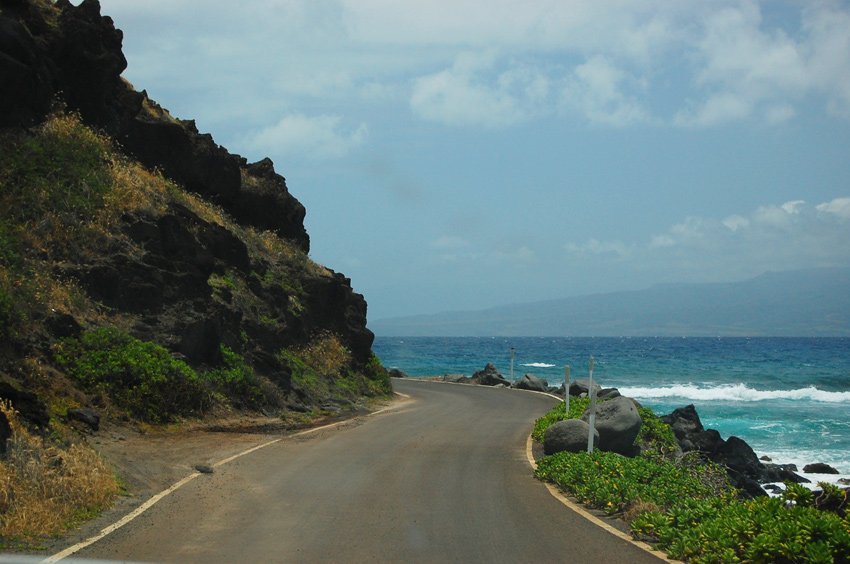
(797, 303)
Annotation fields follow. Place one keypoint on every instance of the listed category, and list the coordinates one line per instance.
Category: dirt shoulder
(149, 460)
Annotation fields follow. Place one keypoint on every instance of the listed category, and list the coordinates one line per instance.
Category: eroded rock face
(77, 60)
(70, 56)
(533, 383)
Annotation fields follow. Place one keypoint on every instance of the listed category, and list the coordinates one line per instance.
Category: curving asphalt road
(441, 478)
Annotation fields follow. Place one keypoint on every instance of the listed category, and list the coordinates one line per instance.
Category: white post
(566, 389)
(513, 354)
(592, 421)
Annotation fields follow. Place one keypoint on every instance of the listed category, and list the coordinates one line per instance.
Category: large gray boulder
(618, 423)
(569, 435)
(533, 383)
(582, 386)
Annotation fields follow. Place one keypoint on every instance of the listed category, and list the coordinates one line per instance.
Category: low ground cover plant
(687, 508)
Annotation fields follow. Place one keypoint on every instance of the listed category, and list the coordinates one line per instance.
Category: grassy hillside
(70, 203)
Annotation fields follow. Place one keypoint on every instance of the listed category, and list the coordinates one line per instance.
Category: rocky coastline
(618, 423)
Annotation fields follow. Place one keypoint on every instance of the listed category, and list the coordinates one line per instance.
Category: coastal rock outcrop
(745, 469)
(618, 423)
(582, 386)
(533, 383)
(819, 468)
(569, 435)
(489, 377)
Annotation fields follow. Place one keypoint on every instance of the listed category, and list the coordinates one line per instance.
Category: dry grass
(43, 488)
(326, 355)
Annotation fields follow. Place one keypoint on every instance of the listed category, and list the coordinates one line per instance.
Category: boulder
(684, 421)
(86, 416)
(737, 455)
(582, 386)
(782, 473)
(396, 373)
(533, 383)
(489, 377)
(569, 435)
(618, 423)
(608, 393)
(819, 468)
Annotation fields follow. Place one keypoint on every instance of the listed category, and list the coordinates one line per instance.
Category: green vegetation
(141, 377)
(321, 369)
(687, 507)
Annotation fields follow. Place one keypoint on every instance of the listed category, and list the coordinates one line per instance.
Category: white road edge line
(557, 494)
(153, 500)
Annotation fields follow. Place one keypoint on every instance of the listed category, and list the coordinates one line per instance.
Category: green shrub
(614, 483)
(577, 408)
(141, 377)
(237, 381)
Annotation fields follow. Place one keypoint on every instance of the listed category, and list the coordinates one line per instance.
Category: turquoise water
(788, 398)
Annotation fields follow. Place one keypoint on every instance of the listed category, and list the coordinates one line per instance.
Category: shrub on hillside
(141, 377)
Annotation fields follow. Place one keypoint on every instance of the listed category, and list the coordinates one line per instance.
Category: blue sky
(462, 154)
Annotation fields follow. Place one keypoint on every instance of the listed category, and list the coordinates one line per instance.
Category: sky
(457, 155)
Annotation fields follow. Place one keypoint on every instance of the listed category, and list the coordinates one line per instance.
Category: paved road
(443, 478)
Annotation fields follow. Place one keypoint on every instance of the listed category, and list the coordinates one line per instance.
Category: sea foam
(539, 365)
(735, 392)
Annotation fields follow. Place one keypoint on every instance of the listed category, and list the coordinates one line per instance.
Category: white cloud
(596, 89)
(735, 222)
(771, 237)
(312, 137)
(474, 92)
(596, 247)
(839, 207)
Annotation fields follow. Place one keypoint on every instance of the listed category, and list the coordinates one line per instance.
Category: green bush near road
(687, 508)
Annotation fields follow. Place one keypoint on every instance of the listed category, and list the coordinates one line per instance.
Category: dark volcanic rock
(608, 393)
(489, 377)
(27, 404)
(85, 415)
(684, 421)
(618, 423)
(582, 386)
(533, 383)
(819, 468)
(569, 435)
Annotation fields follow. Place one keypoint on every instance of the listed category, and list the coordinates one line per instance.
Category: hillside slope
(145, 271)
(796, 303)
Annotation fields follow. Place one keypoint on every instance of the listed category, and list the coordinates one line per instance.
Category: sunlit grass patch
(45, 489)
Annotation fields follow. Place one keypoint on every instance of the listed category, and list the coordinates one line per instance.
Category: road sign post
(566, 390)
(592, 419)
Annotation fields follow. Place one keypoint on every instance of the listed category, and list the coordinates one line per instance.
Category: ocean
(789, 398)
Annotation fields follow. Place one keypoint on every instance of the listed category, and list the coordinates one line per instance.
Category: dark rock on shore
(819, 468)
(569, 435)
(489, 377)
(618, 423)
(745, 469)
(396, 373)
(582, 386)
(608, 393)
(533, 383)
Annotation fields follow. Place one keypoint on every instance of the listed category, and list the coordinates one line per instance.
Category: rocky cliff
(116, 214)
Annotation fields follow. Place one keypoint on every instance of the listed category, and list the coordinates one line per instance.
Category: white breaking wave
(735, 392)
(539, 365)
